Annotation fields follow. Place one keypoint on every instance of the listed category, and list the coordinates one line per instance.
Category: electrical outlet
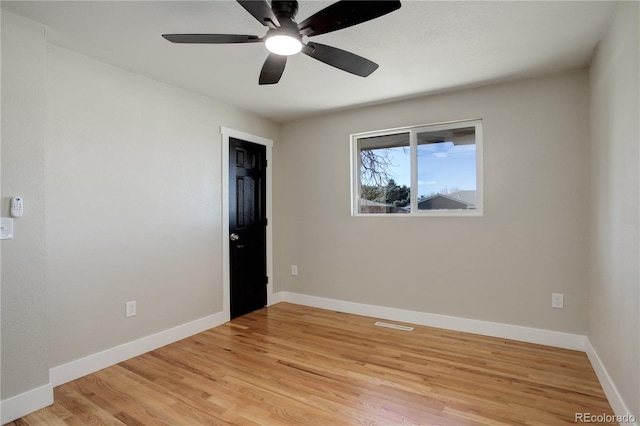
(557, 300)
(294, 269)
(130, 309)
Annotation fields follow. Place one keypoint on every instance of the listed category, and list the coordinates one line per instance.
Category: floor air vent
(396, 326)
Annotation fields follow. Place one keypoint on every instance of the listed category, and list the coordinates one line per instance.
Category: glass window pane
(447, 169)
(385, 174)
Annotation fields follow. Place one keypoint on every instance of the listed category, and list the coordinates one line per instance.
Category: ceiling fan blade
(272, 69)
(346, 61)
(261, 10)
(345, 13)
(212, 38)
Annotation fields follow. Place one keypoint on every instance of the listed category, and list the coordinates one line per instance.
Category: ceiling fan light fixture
(285, 36)
(283, 44)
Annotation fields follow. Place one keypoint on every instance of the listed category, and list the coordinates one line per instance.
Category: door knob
(234, 237)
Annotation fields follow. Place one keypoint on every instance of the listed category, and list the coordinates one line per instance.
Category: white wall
(25, 344)
(127, 173)
(133, 190)
(502, 267)
(614, 286)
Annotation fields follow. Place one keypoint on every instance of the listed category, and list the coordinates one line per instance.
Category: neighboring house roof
(369, 206)
(370, 203)
(466, 199)
(468, 196)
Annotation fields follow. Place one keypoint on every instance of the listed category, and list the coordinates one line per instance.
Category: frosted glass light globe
(283, 45)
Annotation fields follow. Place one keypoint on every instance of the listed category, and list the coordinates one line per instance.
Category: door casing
(226, 277)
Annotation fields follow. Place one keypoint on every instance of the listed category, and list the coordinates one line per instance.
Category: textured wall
(503, 266)
(133, 189)
(25, 344)
(614, 290)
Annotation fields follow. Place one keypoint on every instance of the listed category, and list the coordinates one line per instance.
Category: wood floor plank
(295, 365)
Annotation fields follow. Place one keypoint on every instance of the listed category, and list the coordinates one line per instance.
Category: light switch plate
(6, 228)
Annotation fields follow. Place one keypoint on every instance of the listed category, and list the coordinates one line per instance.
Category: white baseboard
(35, 399)
(617, 403)
(20, 405)
(81, 367)
(486, 328)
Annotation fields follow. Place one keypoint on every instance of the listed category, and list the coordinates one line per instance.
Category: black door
(247, 226)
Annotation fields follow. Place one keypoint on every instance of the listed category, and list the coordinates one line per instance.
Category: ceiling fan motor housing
(285, 8)
(286, 12)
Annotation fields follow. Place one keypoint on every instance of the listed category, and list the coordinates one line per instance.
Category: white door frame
(226, 277)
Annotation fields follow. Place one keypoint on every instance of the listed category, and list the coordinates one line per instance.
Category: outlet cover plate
(557, 300)
(130, 309)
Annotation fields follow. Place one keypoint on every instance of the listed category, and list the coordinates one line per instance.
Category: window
(431, 170)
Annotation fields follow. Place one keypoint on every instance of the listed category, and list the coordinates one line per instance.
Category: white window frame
(413, 147)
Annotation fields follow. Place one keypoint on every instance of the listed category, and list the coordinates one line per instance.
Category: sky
(440, 165)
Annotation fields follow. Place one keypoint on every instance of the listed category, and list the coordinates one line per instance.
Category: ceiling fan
(284, 36)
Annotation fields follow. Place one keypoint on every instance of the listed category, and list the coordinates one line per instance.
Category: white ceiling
(424, 47)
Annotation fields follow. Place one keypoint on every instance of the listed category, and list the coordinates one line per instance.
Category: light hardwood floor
(294, 365)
